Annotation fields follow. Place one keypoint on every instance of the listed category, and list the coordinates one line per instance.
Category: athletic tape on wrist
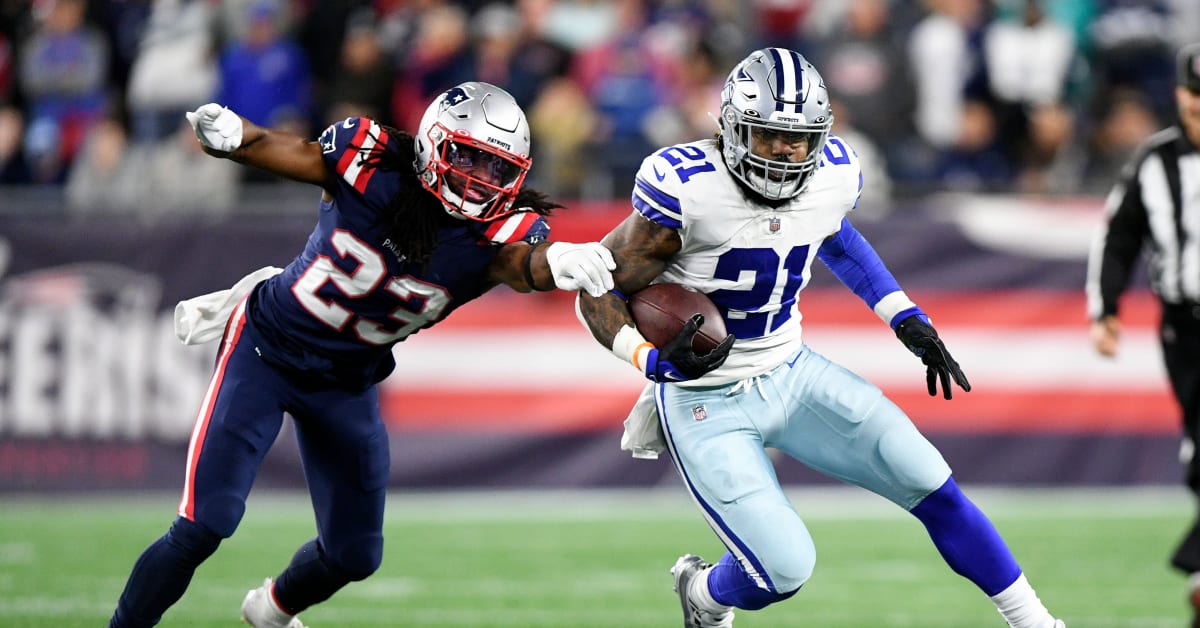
(631, 346)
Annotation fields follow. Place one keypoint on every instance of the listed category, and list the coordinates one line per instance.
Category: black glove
(922, 339)
(678, 361)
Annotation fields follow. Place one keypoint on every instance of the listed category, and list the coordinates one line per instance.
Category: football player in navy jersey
(741, 218)
(409, 229)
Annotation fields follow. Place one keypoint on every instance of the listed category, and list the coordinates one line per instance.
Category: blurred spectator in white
(361, 84)
(581, 24)
(149, 180)
(1029, 58)
(175, 68)
(63, 78)
(863, 61)
(264, 74)
(949, 78)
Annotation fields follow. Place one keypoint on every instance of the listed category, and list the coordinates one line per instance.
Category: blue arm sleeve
(856, 264)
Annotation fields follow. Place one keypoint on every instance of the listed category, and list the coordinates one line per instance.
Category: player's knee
(357, 559)
(193, 539)
(221, 514)
(789, 570)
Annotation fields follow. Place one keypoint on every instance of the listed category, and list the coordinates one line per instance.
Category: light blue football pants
(813, 410)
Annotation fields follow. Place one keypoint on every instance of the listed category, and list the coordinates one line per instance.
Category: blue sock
(729, 585)
(967, 540)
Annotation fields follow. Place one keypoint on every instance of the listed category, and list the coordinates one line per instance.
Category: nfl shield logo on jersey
(774, 224)
(699, 412)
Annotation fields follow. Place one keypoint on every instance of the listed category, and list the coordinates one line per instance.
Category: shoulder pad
(524, 225)
(656, 192)
(349, 146)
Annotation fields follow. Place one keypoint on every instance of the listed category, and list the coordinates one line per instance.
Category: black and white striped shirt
(1156, 206)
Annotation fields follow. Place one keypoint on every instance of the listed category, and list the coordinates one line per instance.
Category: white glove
(586, 266)
(217, 127)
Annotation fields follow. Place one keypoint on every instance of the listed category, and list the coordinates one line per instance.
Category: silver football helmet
(473, 150)
(774, 94)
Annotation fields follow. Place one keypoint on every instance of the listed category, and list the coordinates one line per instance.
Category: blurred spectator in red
(780, 22)
(361, 84)
(175, 67)
(264, 74)
(63, 79)
(429, 62)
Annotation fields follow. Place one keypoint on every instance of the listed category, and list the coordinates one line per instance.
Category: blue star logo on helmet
(454, 96)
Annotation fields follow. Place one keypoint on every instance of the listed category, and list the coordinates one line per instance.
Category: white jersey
(751, 259)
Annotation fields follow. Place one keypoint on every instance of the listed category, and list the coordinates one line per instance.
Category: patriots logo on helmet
(327, 140)
(454, 97)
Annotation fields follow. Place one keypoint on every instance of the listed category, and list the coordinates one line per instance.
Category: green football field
(570, 559)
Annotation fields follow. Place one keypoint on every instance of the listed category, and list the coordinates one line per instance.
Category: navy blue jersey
(336, 310)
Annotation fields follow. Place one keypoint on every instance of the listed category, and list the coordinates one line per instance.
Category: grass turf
(591, 559)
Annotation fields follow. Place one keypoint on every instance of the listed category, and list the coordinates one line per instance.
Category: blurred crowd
(1026, 96)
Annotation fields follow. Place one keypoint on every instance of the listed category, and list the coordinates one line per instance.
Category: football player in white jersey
(741, 217)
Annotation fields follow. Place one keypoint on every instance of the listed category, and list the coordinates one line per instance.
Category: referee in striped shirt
(1155, 206)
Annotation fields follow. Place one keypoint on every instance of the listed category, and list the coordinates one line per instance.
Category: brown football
(660, 310)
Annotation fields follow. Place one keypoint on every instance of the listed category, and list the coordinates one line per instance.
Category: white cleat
(684, 571)
(260, 610)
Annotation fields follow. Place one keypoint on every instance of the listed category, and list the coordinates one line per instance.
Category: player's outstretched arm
(549, 265)
(223, 133)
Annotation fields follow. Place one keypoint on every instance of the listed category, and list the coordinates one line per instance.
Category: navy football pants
(344, 450)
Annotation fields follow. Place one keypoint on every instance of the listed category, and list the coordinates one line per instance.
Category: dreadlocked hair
(417, 214)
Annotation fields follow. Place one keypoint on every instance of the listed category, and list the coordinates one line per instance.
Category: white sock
(702, 596)
(1020, 606)
(1194, 582)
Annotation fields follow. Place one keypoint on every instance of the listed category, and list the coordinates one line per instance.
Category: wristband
(629, 345)
(529, 268)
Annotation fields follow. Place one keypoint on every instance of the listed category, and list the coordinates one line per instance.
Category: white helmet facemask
(473, 150)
